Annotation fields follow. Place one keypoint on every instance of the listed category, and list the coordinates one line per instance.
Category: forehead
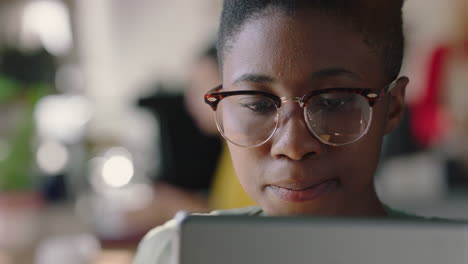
(291, 48)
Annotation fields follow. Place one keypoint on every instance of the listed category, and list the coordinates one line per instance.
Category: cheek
(248, 164)
(363, 156)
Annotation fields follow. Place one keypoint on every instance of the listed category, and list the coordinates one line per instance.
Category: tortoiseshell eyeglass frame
(214, 96)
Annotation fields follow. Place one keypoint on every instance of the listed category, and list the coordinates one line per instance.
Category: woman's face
(293, 173)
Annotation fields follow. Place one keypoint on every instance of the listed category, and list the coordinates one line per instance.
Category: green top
(156, 247)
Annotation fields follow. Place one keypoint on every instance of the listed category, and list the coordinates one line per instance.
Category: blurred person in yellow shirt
(226, 191)
(183, 184)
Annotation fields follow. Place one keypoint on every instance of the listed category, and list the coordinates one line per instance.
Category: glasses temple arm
(392, 85)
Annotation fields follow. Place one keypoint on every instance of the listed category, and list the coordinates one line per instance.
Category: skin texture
(286, 53)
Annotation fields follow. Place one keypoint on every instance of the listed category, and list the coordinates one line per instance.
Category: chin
(329, 204)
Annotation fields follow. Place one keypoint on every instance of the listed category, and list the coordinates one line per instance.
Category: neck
(366, 207)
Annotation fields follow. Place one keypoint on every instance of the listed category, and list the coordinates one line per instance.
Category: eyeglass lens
(338, 118)
(334, 118)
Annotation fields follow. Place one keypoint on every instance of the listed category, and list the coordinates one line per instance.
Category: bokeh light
(52, 157)
(49, 21)
(63, 117)
(117, 171)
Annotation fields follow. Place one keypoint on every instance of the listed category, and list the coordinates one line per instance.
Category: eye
(335, 101)
(257, 104)
(332, 102)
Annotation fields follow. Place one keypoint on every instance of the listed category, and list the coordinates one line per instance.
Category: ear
(396, 104)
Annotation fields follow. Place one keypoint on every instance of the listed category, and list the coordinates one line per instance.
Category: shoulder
(156, 246)
(397, 214)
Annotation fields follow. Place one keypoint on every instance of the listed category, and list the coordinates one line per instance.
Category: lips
(302, 192)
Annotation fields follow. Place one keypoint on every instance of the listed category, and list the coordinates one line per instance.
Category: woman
(309, 90)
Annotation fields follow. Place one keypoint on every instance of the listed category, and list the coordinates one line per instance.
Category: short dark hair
(378, 21)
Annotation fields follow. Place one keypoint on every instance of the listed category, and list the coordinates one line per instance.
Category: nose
(293, 140)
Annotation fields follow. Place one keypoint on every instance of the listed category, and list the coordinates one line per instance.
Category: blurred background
(104, 134)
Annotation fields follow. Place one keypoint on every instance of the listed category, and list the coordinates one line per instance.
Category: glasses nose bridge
(292, 100)
(285, 100)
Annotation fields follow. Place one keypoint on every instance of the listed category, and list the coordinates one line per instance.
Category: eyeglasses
(335, 116)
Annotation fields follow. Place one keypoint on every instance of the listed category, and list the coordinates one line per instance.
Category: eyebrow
(318, 75)
(335, 72)
(255, 78)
